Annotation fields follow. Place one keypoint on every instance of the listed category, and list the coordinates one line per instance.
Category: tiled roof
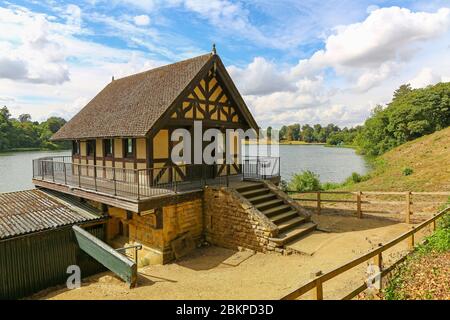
(30, 211)
(130, 106)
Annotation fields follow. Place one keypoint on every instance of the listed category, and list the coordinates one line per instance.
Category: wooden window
(76, 148)
(108, 147)
(90, 148)
(129, 147)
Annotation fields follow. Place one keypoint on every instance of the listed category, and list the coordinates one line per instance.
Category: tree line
(23, 133)
(330, 134)
(411, 114)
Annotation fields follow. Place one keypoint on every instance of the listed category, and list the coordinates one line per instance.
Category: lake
(332, 164)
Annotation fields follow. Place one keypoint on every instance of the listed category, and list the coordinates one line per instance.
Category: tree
(307, 133)
(25, 118)
(283, 133)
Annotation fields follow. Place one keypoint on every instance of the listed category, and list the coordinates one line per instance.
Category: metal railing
(261, 168)
(145, 183)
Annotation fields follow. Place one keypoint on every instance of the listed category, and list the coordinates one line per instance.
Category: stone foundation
(232, 222)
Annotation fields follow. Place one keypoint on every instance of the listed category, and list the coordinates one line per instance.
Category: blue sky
(293, 61)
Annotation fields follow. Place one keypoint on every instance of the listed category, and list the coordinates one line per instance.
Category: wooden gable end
(209, 101)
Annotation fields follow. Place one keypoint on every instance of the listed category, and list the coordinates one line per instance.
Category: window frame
(126, 145)
(76, 147)
(106, 152)
(91, 144)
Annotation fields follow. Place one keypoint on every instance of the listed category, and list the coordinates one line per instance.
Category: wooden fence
(376, 254)
(358, 196)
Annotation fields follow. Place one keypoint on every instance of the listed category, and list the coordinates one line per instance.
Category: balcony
(140, 185)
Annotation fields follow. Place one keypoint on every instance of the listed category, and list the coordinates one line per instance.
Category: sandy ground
(203, 275)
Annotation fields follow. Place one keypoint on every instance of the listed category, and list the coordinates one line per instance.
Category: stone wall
(232, 222)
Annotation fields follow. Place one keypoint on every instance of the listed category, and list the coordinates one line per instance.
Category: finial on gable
(214, 49)
(112, 79)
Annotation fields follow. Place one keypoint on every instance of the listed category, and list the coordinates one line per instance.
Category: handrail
(318, 281)
(130, 182)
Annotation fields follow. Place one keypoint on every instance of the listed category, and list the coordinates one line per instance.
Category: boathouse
(121, 163)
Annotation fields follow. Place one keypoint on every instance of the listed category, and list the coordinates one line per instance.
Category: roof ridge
(163, 66)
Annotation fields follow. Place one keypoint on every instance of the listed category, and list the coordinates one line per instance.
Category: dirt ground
(204, 275)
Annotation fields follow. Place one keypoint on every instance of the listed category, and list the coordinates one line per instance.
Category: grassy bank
(425, 275)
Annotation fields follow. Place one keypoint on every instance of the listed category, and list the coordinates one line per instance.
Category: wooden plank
(107, 256)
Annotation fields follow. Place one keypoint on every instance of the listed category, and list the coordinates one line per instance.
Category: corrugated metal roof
(29, 211)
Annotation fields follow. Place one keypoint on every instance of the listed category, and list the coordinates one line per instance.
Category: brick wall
(231, 222)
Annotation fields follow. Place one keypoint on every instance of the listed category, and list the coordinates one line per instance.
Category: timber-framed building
(121, 163)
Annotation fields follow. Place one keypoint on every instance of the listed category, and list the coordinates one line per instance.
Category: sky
(293, 61)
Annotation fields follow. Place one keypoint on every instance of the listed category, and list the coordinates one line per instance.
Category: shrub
(356, 178)
(407, 171)
(305, 181)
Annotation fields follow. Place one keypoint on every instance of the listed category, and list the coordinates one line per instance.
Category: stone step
(269, 204)
(290, 235)
(290, 224)
(262, 198)
(282, 217)
(250, 187)
(274, 211)
(254, 193)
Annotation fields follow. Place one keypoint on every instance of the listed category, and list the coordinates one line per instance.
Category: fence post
(319, 203)
(42, 169)
(53, 171)
(319, 290)
(378, 259)
(408, 207)
(411, 241)
(358, 204)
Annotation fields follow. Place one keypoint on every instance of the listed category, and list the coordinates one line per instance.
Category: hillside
(428, 157)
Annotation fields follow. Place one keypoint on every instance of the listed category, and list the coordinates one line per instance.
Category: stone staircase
(279, 209)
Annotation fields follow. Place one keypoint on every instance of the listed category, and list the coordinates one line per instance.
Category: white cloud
(142, 20)
(38, 55)
(368, 61)
(425, 77)
(371, 49)
(260, 77)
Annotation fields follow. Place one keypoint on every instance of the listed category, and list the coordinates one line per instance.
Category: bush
(305, 181)
(407, 171)
(356, 178)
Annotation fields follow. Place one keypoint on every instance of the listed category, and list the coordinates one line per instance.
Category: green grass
(434, 245)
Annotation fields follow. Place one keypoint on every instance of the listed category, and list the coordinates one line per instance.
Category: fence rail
(376, 254)
(358, 199)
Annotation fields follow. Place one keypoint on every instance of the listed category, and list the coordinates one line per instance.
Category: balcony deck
(134, 190)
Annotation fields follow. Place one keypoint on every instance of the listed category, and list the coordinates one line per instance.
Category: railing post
(53, 171)
(408, 207)
(114, 179)
(42, 169)
(95, 178)
(138, 187)
(79, 175)
(65, 173)
(358, 204)
(319, 203)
